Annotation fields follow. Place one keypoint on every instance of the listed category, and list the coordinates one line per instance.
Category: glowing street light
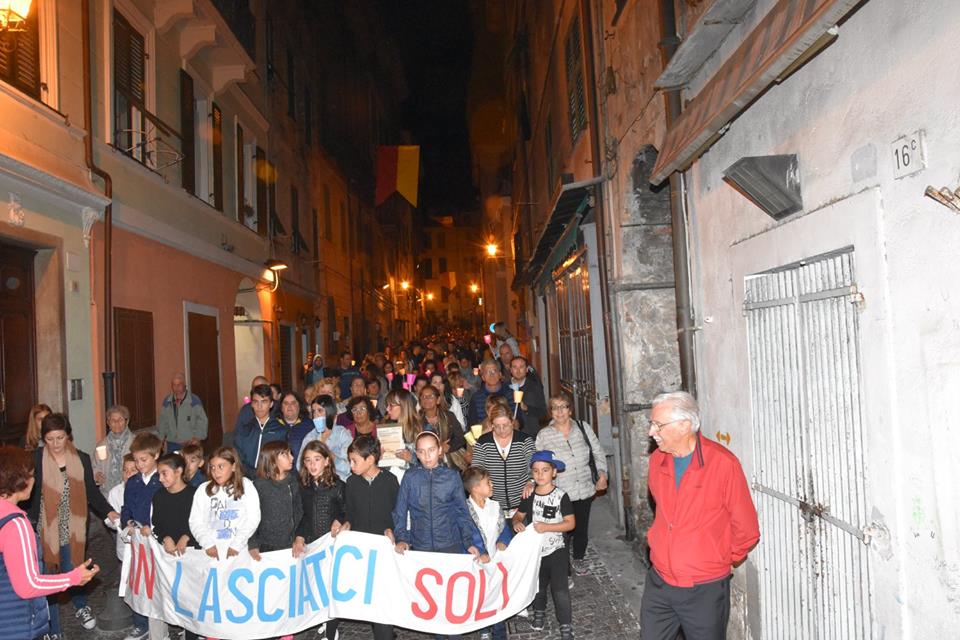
(13, 13)
(492, 249)
(474, 288)
(404, 285)
(429, 296)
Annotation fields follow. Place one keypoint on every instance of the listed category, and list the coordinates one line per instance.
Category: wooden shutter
(20, 57)
(261, 170)
(286, 356)
(295, 219)
(275, 226)
(241, 167)
(216, 118)
(576, 103)
(187, 128)
(129, 53)
(327, 215)
(135, 381)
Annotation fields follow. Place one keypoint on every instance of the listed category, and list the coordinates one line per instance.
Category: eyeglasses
(660, 425)
(557, 407)
(360, 409)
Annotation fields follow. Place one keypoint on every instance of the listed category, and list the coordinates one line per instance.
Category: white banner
(355, 576)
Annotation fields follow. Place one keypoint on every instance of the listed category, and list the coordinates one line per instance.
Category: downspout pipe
(611, 325)
(108, 372)
(669, 42)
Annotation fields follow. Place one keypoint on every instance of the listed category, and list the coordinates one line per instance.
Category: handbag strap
(583, 432)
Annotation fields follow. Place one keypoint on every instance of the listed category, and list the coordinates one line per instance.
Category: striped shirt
(575, 453)
(509, 475)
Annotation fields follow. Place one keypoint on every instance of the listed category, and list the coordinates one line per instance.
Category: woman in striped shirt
(572, 442)
(505, 453)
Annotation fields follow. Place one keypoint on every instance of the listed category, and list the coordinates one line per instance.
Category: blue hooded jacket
(434, 499)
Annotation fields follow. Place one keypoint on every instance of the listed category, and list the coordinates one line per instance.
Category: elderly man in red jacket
(705, 525)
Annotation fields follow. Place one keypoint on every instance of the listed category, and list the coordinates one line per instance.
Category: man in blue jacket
(253, 434)
(492, 385)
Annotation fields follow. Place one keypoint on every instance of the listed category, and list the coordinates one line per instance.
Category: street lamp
(404, 285)
(474, 288)
(492, 249)
(429, 296)
(13, 13)
(275, 266)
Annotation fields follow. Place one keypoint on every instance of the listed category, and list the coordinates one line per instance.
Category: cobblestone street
(605, 602)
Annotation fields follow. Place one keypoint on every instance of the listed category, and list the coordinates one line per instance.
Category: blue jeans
(78, 594)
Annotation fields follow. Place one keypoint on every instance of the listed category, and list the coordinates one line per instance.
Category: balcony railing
(144, 137)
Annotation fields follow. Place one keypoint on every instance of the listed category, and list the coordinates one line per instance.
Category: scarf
(51, 491)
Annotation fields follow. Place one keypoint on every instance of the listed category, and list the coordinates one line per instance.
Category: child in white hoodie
(226, 509)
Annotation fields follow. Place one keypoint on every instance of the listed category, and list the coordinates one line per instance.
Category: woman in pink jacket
(23, 589)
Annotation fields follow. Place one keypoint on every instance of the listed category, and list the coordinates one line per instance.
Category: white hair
(683, 406)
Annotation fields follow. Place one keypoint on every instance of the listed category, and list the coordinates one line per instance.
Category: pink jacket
(18, 544)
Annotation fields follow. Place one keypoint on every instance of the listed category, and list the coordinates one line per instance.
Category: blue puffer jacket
(248, 440)
(434, 500)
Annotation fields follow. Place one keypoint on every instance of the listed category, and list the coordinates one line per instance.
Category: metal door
(576, 337)
(803, 333)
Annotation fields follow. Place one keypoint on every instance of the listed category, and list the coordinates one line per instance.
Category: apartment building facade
(203, 121)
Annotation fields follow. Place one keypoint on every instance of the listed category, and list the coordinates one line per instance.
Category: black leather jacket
(321, 506)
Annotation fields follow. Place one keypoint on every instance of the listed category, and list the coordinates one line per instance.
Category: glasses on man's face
(658, 426)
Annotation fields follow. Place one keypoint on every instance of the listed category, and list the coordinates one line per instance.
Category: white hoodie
(223, 521)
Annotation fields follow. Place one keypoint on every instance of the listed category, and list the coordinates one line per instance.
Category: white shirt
(223, 521)
(488, 517)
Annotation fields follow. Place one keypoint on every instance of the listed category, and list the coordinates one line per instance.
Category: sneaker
(322, 630)
(486, 635)
(566, 632)
(580, 567)
(539, 620)
(86, 617)
(53, 636)
(138, 633)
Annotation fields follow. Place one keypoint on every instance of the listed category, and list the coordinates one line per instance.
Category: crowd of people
(482, 454)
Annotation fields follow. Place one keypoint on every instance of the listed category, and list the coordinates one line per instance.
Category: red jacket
(708, 524)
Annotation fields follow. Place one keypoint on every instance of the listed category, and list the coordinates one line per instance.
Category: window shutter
(261, 171)
(216, 117)
(187, 127)
(576, 103)
(20, 57)
(135, 365)
(129, 53)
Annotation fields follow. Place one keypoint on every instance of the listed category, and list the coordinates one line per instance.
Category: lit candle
(102, 452)
(517, 397)
(373, 401)
(488, 338)
(458, 392)
(390, 376)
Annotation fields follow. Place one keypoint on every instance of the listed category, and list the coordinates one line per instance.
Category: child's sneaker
(566, 632)
(86, 617)
(539, 620)
(138, 633)
(486, 635)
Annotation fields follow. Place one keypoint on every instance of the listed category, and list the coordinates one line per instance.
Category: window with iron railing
(138, 133)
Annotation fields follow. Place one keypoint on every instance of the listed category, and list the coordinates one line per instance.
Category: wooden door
(204, 366)
(18, 371)
(135, 368)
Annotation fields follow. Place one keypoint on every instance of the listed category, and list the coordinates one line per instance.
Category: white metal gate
(803, 334)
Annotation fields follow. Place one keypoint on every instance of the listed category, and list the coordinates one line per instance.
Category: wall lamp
(13, 13)
(275, 267)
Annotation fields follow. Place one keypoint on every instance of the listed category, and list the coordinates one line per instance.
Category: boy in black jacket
(371, 494)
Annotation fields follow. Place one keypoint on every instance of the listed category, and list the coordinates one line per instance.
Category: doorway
(203, 366)
(18, 369)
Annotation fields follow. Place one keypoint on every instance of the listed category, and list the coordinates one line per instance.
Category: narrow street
(606, 602)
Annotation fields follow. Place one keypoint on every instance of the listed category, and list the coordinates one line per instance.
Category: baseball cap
(547, 456)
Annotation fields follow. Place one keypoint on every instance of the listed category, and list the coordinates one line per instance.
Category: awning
(568, 207)
(786, 35)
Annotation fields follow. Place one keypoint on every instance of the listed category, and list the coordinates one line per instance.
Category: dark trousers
(380, 631)
(581, 511)
(553, 572)
(700, 611)
(78, 595)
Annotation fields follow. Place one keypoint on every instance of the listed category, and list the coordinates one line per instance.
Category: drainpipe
(611, 323)
(108, 373)
(669, 42)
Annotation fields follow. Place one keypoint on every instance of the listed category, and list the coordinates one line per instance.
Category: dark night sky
(434, 39)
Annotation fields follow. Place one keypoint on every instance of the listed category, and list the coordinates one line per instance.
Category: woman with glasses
(447, 400)
(505, 453)
(442, 422)
(361, 417)
(574, 443)
(108, 463)
(402, 411)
